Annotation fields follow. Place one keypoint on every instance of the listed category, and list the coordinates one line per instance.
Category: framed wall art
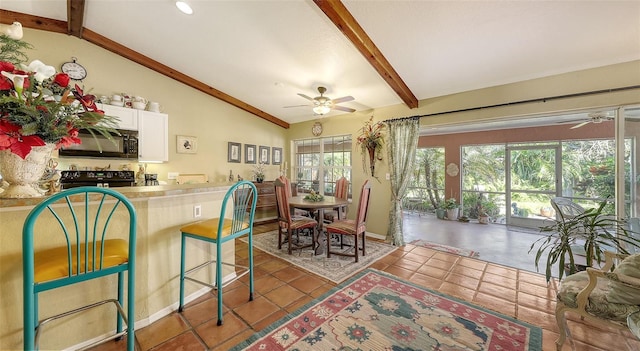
(249, 153)
(264, 154)
(234, 152)
(186, 144)
(277, 155)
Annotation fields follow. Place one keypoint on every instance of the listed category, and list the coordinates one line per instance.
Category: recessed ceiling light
(184, 7)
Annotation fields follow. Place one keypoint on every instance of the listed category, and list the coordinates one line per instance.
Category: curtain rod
(594, 92)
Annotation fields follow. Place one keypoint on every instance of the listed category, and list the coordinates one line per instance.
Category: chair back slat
(89, 211)
(363, 207)
(342, 188)
(282, 191)
(244, 203)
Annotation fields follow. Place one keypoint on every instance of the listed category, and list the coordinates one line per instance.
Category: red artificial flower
(61, 79)
(87, 101)
(6, 83)
(10, 138)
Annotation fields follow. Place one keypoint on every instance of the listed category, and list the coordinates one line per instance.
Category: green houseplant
(588, 234)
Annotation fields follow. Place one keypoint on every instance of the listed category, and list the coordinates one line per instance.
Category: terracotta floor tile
(322, 290)
(495, 304)
(409, 264)
(162, 330)
(500, 280)
(233, 341)
(416, 257)
(184, 342)
(284, 295)
(467, 271)
(446, 257)
(423, 252)
(399, 271)
(457, 291)
(202, 312)
(426, 281)
(267, 283)
(541, 318)
(307, 283)
(300, 303)
(288, 274)
(274, 265)
(537, 290)
(503, 271)
(272, 318)
(462, 280)
(438, 263)
(213, 334)
(256, 310)
(536, 302)
(498, 291)
(433, 272)
(232, 298)
(472, 263)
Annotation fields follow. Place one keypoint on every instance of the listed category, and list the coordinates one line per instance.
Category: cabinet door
(128, 116)
(153, 137)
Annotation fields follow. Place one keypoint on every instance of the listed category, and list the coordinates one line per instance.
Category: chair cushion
(209, 228)
(53, 264)
(598, 304)
(300, 222)
(345, 226)
(621, 292)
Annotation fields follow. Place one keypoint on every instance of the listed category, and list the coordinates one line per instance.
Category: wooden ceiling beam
(75, 17)
(57, 26)
(342, 18)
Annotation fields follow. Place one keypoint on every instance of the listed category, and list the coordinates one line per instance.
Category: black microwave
(124, 145)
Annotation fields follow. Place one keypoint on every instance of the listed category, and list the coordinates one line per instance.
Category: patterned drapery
(401, 150)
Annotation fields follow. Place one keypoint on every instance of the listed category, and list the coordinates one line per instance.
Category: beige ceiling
(264, 52)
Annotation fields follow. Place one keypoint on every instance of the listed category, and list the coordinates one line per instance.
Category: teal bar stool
(218, 231)
(92, 245)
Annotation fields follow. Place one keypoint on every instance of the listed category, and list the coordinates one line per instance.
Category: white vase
(452, 214)
(23, 174)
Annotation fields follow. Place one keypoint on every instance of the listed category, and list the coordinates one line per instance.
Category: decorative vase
(483, 219)
(452, 214)
(259, 179)
(440, 212)
(372, 159)
(23, 174)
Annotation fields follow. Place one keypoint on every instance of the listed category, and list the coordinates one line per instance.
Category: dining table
(327, 202)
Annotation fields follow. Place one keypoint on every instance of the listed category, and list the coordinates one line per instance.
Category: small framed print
(277, 155)
(249, 153)
(264, 155)
(186, 144)
(234, 151)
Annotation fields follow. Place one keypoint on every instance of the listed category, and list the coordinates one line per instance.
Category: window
(322, 161)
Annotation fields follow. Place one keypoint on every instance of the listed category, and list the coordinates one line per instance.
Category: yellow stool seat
(209, 228)
(53, 263)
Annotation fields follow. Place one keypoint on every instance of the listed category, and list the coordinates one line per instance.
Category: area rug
(377, 311)
(337, 268)
(445, 248)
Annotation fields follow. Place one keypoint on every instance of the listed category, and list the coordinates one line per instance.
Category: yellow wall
(215, 122)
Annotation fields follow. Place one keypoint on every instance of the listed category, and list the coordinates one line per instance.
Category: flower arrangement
(371, 140)
(258, 171)
(37, 105)
(313, 196)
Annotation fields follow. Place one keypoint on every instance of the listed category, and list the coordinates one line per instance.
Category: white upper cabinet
(153, 137)
(128, 116)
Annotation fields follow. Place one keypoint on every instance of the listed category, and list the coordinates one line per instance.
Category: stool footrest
(121, 311)
(212, 286)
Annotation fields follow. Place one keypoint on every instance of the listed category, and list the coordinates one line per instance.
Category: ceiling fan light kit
(323, 105)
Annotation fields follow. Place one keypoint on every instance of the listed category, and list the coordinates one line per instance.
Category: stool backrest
(78, 221)
(245, 198)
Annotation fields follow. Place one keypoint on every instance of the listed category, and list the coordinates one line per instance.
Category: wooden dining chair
(291, 224)
(351, 227)
(341, 192)
(94, 231)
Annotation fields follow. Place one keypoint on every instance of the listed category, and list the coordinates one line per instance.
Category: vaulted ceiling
(259, 55)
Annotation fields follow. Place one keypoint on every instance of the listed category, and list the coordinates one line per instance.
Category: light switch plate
(172, 175)
(388, 176)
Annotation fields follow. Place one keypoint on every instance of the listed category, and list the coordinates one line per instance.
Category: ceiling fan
(323, 105)
(596, 117)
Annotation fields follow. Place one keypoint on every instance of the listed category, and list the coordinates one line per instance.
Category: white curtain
(401, 151)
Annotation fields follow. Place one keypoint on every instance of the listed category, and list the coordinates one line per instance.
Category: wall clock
(316, 129)
(452, 169)
(74, 70)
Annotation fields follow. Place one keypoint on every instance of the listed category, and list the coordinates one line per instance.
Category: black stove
(106, 179)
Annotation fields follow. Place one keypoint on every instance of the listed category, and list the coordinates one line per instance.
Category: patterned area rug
(337, 268)
(445, 248)
(376, 311)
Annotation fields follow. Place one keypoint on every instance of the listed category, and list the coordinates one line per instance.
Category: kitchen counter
(136, 192)
(161, 211)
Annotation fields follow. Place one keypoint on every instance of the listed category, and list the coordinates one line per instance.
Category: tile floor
(282, 289)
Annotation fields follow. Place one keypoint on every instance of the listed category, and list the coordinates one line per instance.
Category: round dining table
(328, 202)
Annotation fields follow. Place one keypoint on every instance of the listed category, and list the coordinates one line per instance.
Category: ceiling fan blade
(343, 99)
(580, 125)
(307, 105)
(342, 108)
(306, 97)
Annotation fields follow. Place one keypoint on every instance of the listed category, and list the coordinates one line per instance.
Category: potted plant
(483, 217)
(588, 234)
(440, 211)
(452, 206)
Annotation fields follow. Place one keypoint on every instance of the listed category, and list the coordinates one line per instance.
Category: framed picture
(277, 155)
(264, 155)
(249, 153)
(186, 144)
(234, 151)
